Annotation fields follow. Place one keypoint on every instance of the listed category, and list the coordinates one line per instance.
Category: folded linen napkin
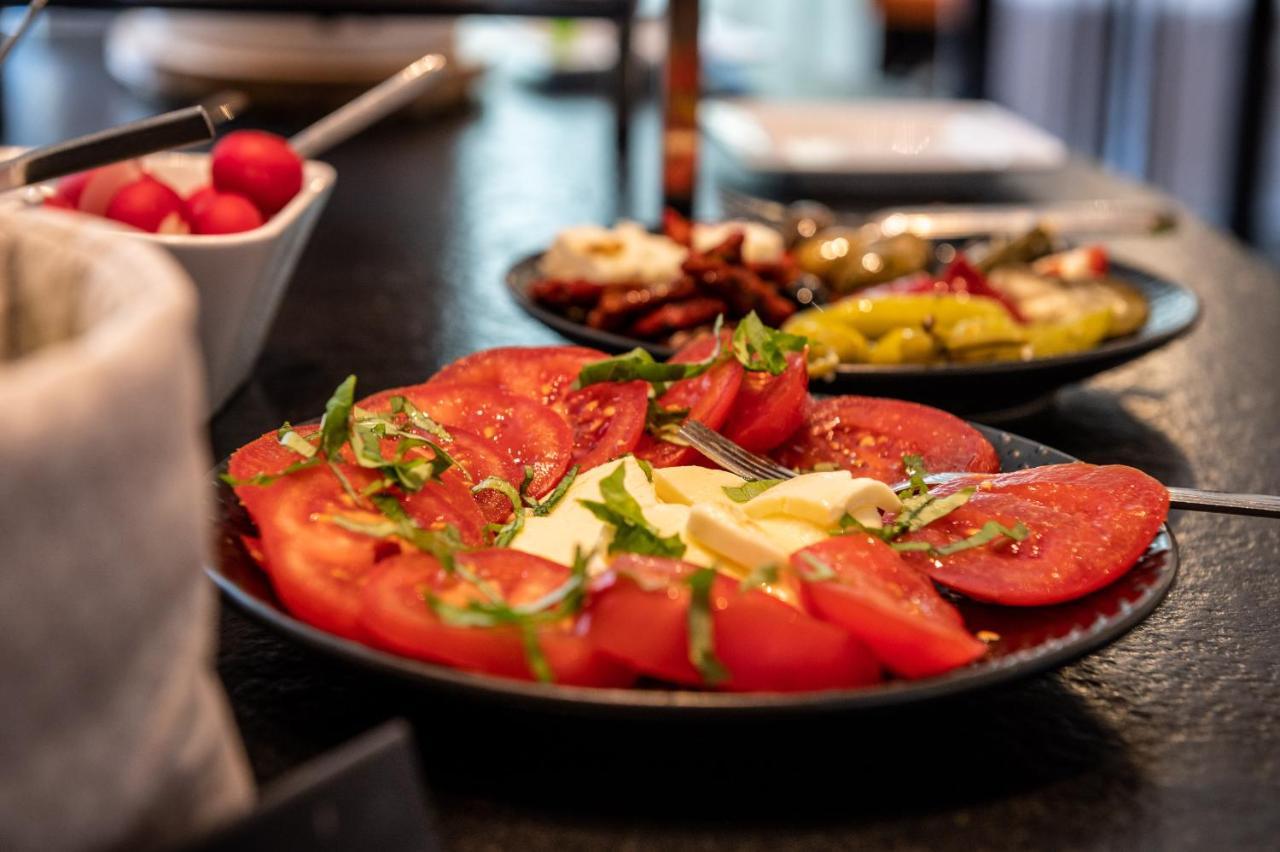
(113, 730)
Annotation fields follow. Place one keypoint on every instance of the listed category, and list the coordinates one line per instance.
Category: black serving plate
(978, 390)
(1033, 639)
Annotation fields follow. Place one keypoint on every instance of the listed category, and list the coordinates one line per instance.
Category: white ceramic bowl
(240, 278)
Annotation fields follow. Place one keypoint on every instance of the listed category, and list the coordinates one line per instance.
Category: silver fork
(802, 219)
(748, 465)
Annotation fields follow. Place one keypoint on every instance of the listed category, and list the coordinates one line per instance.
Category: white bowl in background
(241, 277)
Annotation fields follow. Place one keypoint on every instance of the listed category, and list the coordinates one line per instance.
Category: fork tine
(731, 456)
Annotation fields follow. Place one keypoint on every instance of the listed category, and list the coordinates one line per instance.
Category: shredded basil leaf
(260, 479)
(702, 651)
(503, 533)
(664, 423)
(557, 604)
(815, 570)
(989, 532)
(419, 418)
(545, 507)
(765, 575)
(760, 348)
(290, 439)
(395, 522)
(749, 490)
(337, 411)
(638, 364)
(647, 469)
(632, 533)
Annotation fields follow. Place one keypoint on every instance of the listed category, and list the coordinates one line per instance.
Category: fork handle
(1257, 505)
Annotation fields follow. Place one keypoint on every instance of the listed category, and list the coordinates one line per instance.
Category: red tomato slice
(708, 398)
(607, 420)
(526, 432)
(316, 567)
(480, 459)
(639, 614)
(868, 436)
(543, 373)
(887, 604)
(1088, 525)
(395, 616)
(769, 408)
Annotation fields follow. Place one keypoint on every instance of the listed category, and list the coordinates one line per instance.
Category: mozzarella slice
(728, 533)
(571, 526)
(823, 498)
(692, 484)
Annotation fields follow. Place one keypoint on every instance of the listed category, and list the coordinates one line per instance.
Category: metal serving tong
(748, 465)
(175, 129)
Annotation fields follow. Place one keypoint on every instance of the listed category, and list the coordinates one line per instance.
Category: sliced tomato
(887, 604)
(543, 373)
(527, 433)
(1087, 526)
(480, 459)
(607, 419)
(315, 566)
(868, 436)
(395, 616)
(769, 408)
(708, 398)
(639, 614)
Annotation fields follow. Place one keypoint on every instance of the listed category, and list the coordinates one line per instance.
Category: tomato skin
(608, 421)
(221, 213)
(524, 431)
(149, 205)
(544, 373)
(258, 165)
(396, 617)
(765, 644)
(316, 567)
(769, 408)
(1088, 525)
(887, 604)
(868, 436)
(709, 398)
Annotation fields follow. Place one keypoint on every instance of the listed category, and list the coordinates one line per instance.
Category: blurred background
(1178, 93)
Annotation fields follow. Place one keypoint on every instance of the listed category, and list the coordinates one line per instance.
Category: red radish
(198, 199)
(223, 213)
(71, 187)
(58, 202)
(149, 205)
(258, 165)
(102, 184)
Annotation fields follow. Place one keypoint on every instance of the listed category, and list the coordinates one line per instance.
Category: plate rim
(685, 703)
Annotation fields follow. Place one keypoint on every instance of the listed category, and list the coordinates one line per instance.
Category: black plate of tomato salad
(384, 533)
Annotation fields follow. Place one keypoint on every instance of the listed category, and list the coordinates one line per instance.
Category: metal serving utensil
(748, 465)
(802, 219)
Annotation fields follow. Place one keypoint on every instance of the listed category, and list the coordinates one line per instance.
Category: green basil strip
(632, 533)
(548, 504)
(337, 411)
(702, 651)
(638, 364)
(749, 490)
(760, 348)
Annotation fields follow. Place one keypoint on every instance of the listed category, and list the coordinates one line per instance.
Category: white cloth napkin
(113, 729)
